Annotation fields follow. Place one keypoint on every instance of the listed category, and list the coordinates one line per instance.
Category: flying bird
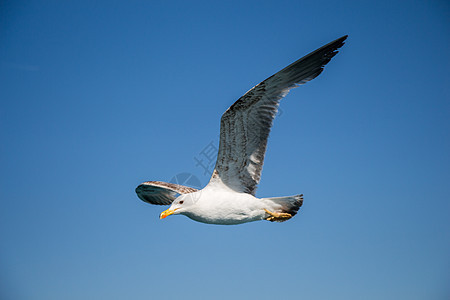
(229, 197)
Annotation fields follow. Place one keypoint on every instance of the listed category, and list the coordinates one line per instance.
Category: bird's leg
(277, 217)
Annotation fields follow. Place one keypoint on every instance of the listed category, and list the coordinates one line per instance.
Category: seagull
(229, 197)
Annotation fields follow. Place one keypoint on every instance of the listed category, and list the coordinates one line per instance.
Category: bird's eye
(181, 202)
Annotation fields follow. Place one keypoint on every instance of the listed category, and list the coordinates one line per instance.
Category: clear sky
(97, 97)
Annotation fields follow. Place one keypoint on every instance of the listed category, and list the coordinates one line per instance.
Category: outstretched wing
(245, 126)
(161, 193)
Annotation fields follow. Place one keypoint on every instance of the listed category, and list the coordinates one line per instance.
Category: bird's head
(180, 205)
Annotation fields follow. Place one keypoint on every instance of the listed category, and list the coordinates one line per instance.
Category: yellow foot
(277, 217)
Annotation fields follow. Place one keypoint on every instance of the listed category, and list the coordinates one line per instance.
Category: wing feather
(161, 193)
(245, 126)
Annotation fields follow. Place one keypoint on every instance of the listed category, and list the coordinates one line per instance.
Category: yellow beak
(167, 213)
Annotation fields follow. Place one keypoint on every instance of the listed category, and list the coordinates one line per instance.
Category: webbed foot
(277, 217)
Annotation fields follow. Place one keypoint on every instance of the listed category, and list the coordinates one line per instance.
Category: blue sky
(98, 97)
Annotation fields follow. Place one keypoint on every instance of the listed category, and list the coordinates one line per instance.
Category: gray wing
(245, 126)
(161, 193)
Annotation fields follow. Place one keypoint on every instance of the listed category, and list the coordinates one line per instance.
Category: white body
(225, 207)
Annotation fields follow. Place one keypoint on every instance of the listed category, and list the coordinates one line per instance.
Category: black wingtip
(343, 38)
(331, 49)
(338, 43)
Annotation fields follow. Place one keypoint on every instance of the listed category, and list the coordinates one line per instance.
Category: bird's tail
(289, 204)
